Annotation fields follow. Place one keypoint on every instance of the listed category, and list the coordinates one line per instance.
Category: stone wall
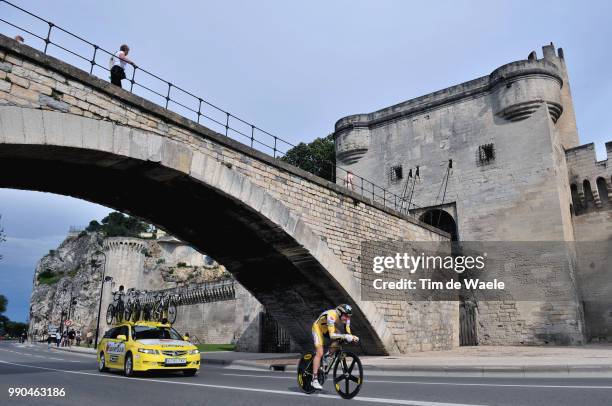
(591, 183)
(223, 322)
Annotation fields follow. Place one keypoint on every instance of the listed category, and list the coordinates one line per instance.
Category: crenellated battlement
(590, 179)
(513, 92)
(124, 245)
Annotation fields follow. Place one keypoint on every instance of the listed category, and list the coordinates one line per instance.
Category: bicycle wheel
(136, 312)
(349, 381)
(146, 312)
(110, 314)
(304, 373)
(127, 314)
(119, 313)
(171, 312)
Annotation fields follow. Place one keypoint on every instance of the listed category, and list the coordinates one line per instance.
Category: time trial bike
(346, 367)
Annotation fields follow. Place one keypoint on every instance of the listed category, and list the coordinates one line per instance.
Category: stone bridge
(292, 239)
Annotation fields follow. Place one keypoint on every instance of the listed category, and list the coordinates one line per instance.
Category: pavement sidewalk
(475, 361)
(82, 350)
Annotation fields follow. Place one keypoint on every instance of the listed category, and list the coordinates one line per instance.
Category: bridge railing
(63, 44)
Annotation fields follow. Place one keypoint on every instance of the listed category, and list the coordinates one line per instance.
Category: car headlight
(193, 352)
(148, 351)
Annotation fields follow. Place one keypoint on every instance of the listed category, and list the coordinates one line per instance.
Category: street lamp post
(69, 312)
(62, 314)
(104, 280)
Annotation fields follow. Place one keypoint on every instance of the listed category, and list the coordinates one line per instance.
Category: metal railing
(143, 83)
(213, 291)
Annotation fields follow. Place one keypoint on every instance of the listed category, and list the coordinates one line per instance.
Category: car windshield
(147, 332)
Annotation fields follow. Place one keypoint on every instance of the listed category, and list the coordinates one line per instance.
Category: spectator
(78, 338)
(71, 337)
(64, 342)
(19, 38)
(89, 338)
(348, 182)
(58, 338)
(118, 62)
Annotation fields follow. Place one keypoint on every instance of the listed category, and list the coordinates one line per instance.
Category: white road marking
(449, 383)
(262, 376)
(240, 388)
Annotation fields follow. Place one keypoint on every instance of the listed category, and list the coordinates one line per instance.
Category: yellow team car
(146, 346)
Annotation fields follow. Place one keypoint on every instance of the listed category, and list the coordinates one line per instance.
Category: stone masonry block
(54, 128)
(33, 127)
(18, 80)
(106, 135)
(198, 162)
(139, 145)
(11, 121)
(91, 133)
(122, 139)
(176, 156)
(73, 130)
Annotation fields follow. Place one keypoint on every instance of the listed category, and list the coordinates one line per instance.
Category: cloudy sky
(294, 68)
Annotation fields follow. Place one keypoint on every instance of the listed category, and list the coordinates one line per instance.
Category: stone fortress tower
(125, 264)
(516, 162)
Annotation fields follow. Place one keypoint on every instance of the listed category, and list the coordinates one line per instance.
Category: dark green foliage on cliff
(48, 277)
(119, 225)
(317, 157)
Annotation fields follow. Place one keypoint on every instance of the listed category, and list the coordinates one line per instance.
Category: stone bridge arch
(291, 239)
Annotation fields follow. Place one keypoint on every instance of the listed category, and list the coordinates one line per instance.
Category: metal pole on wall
(100, 299)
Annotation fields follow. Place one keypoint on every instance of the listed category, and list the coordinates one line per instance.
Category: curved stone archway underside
(267, 247)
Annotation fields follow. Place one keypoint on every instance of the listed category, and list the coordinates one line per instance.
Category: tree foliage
(14, 328)
(117, 224)
(3, 303)
(317, 157)
(8, 327)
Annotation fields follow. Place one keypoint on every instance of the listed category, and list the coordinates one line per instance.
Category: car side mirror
(121, 337)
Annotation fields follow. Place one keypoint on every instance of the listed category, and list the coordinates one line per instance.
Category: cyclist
(326, 325)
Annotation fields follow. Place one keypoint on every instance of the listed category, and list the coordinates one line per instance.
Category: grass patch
(216, 347)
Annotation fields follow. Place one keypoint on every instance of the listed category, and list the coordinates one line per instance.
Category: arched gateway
(290, 238)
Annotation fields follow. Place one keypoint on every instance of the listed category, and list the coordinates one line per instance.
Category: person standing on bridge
(117, 65)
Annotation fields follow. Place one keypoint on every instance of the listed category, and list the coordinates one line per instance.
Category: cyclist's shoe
(316, 385)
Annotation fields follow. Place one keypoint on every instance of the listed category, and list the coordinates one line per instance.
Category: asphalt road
(34, 366)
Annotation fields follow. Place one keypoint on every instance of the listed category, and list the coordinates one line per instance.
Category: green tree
(15, 328)
(117, 224)
(94, 226)
(3, 303)
(3, 319)
(317, 157)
